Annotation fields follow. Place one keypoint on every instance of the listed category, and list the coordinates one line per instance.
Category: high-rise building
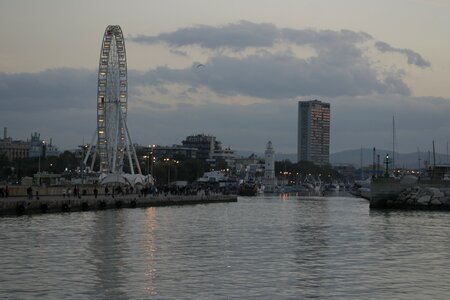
(314, 132)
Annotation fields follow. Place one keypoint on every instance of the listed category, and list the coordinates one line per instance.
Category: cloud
(324, 39)
(282, 76)
(414, 58)
(339, 65)
(234, 35)
(241, 35)
(356, 120)
(166, 104)
(72, 88)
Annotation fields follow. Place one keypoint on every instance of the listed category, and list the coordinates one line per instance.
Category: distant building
(224, 155)
(13, 149)
(205, 145)
(174, 151)
(41, 148)
(249, 168)
(314, 132)
(269, 167)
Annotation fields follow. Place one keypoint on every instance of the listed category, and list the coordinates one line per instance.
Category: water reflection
(108, 249)
(150, 243)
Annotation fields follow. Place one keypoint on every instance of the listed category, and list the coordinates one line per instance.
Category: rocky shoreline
(418, 197)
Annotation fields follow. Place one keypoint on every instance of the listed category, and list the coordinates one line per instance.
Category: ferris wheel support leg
(119, 115)
(90, 148)
(132, 149)
(128, 144)
(93, 160)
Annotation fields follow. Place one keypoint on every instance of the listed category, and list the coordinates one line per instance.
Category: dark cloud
(72, 88)
(414, 58)
(356, 120)
(282, 76)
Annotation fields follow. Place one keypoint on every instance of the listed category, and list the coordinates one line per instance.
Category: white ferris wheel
(114, 143)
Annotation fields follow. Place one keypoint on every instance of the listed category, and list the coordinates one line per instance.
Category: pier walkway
(51, 204)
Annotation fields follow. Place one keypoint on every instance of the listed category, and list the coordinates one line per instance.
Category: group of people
(75, 191)
(126, 190)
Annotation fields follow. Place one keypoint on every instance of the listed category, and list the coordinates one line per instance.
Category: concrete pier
(52, 204)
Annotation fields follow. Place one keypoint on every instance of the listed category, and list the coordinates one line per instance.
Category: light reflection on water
(281, 247)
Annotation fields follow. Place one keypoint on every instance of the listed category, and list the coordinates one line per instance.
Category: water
(262, 248)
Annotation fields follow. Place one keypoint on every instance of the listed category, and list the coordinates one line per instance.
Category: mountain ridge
(353, 157)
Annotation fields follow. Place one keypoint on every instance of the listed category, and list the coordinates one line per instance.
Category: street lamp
(152, 159)
(82, 148)
(387, 162)
(147, 158)
(169, 160)
(168, 170)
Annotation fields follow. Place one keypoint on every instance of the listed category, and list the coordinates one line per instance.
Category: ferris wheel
(113, 138)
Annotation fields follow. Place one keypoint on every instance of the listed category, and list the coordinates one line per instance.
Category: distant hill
(408, 160)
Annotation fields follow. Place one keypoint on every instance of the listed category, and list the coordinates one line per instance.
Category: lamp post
(169, 161)
(147, 158)
(152, 157)
(82, 148)
(386, 162)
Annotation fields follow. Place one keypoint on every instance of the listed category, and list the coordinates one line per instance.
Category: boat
(248, 189)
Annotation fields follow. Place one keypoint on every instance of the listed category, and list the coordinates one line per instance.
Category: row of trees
(69, 163)
(177, 168)
(295, 171)
(14, 171)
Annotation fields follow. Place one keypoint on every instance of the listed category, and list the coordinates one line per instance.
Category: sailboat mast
(418, 157)
(393, 143)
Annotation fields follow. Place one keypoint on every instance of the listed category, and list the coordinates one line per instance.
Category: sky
(371, 60)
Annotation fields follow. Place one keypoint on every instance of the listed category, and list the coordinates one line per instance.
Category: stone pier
(52, 204)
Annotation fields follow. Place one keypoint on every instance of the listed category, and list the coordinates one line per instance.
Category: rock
(438, 194)
(424, 200)
(435, 202)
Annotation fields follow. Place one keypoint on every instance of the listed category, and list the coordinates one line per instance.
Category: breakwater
(394, 193)
(53, 204)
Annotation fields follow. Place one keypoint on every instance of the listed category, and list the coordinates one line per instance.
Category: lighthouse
(269, 170)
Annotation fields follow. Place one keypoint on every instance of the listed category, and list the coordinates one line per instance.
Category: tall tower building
(314, 132)
(269, 170)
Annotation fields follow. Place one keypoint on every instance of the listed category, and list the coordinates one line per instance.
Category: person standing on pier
(95, 192)
(30, 193)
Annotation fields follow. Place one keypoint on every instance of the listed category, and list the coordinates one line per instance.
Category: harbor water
(280, 247)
